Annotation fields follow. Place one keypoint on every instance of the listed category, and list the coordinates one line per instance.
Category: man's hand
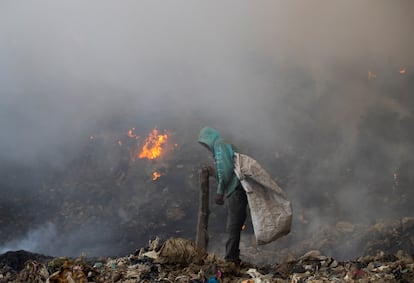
(219, 199)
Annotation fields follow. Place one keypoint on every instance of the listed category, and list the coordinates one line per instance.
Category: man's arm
(220, 166)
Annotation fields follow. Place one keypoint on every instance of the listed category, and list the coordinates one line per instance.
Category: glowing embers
(153, 146)
(401, 71)
(131, 133)
(156, 175)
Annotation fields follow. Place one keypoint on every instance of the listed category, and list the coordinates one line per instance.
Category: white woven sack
(270, 210)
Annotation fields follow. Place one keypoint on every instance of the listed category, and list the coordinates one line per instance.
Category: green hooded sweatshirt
(223, 153)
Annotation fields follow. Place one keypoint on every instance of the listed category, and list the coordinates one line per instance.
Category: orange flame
(153, 145)
(155, 175)
(403, 71)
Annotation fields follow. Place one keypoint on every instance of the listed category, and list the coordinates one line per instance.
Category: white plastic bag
(270, 210)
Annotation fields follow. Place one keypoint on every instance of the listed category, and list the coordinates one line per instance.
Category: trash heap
(179, 260)
(342, 240)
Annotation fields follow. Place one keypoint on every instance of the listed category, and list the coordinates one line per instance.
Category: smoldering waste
(165, 207)
(179, 260)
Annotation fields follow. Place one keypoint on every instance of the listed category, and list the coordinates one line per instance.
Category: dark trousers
(237, 212)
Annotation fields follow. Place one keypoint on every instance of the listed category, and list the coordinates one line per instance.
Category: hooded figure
(229, 185)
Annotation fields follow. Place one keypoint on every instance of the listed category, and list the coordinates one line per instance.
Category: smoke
(64, 64)
(90, 240)
(285, 78)
(37, 240)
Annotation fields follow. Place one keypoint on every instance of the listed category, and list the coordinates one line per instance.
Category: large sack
(270, 210)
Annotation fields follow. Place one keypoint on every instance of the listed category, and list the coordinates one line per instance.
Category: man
(227, 185)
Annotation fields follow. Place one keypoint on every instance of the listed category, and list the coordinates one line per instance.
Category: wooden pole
(203, 210)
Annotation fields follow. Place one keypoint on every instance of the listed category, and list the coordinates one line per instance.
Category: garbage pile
(180, 260)
(128, 212)
(342, 240)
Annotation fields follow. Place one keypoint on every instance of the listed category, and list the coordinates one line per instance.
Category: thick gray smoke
(311, 88)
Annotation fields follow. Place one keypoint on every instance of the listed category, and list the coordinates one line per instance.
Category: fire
(153, 145)
(155, 175)
(403, 71)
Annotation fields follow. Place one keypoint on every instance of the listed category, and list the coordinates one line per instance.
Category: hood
(209, 136)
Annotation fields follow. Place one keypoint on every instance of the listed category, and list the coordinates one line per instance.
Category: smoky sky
(66, 65)
(276, 76)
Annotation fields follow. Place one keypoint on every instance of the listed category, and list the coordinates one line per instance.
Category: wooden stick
(203, 210)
